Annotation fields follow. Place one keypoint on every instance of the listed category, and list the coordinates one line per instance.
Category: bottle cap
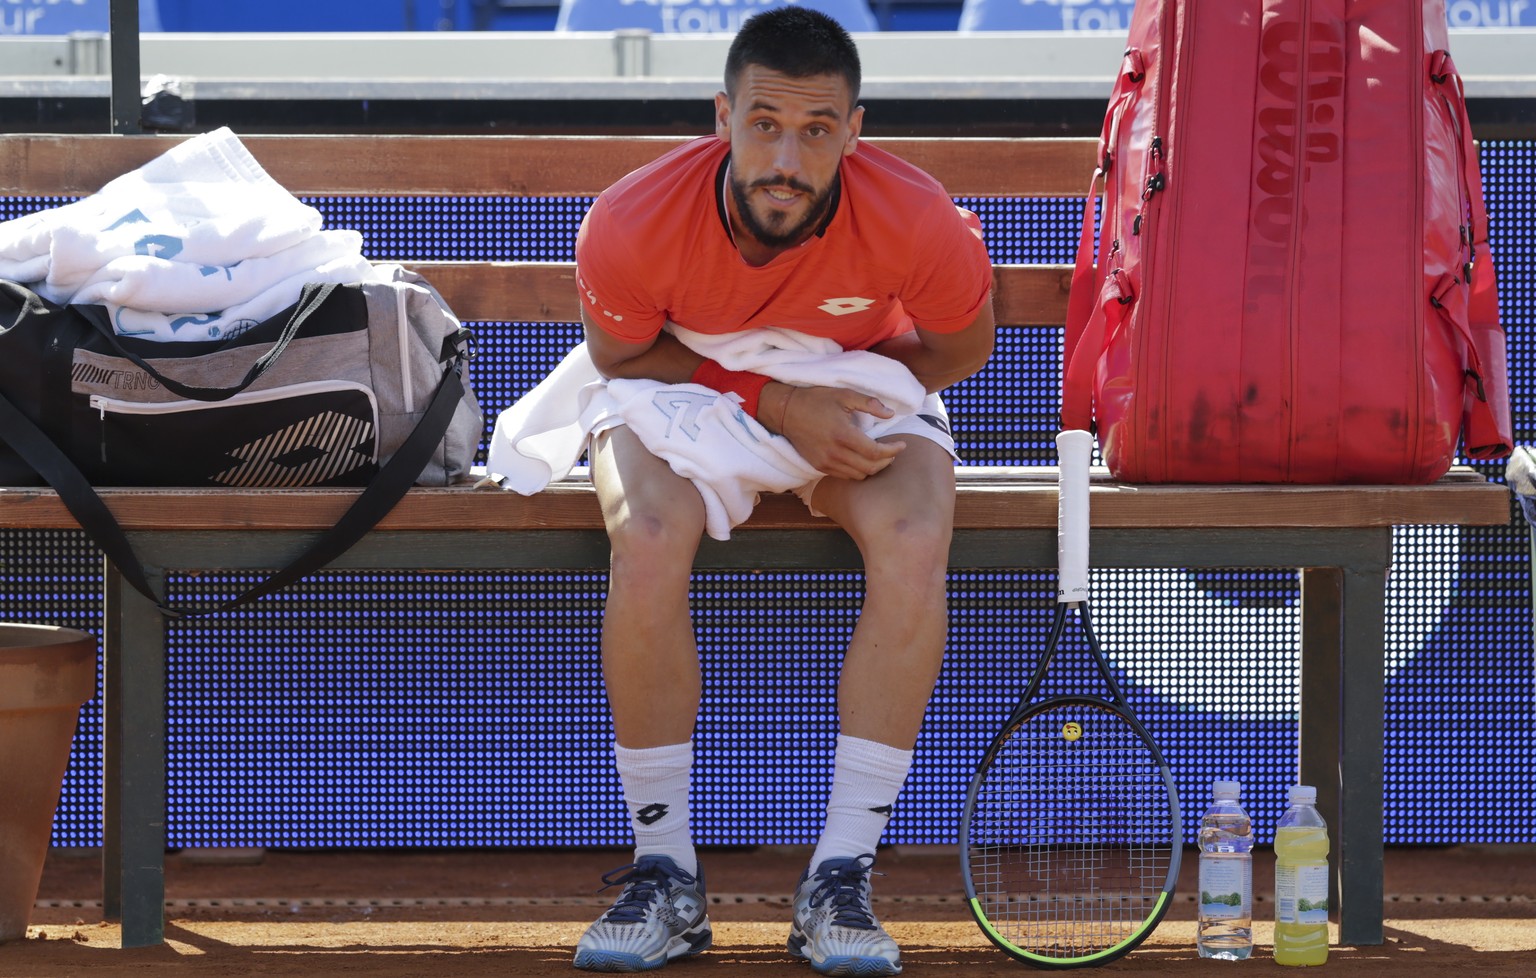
(1227, 790)
(1301, 794)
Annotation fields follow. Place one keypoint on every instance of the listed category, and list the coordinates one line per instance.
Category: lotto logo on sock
(651, 814)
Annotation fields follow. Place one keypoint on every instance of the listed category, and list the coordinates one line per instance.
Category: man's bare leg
(655, 519)
(902, 521)
(651, 669)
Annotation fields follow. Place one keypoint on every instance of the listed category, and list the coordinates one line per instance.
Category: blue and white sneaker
(834, 929)
(660, 915)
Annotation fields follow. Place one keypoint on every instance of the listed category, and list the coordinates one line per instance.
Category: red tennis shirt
(655, 247)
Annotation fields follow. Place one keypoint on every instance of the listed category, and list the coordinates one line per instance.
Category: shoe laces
(843, 888)
(643, 882)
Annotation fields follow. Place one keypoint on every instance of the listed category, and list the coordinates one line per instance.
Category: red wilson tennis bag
(1293, 281)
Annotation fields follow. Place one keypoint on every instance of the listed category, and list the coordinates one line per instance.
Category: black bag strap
(48, 461)
(311, 299)
(391, 483)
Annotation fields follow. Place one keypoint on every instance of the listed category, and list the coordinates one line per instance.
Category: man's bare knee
(653, 542)
(654, 517)
(909, 543)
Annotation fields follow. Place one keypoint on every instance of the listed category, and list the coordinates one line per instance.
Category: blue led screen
(405, 710)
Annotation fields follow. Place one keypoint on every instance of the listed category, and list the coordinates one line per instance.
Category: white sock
(866, 778)
(655, 781)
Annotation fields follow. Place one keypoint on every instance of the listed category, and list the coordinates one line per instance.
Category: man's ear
(855, 125)
(723, 117)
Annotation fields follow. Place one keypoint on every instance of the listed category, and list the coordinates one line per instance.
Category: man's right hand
(823, 425)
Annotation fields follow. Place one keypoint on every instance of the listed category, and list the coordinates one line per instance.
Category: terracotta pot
(46, 674)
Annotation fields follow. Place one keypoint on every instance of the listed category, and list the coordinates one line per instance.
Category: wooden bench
(1339, 538)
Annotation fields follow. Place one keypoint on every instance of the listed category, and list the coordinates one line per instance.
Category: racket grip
(1074, 452)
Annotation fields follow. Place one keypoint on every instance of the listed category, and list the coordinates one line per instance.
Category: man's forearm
(935, 369)
(665, 360)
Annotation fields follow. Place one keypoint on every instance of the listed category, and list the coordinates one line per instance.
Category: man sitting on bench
(781, 219)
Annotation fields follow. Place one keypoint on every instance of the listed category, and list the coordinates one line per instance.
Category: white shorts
(931, 422)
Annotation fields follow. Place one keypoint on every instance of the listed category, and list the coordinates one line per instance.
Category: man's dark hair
(794, 41)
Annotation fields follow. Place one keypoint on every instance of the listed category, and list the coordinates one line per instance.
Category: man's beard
(778, 232)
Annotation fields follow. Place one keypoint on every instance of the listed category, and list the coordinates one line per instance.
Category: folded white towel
(25, 270)
(223, 323)
(30, 237)
(195, 243)
(240, 233)
(155, 284)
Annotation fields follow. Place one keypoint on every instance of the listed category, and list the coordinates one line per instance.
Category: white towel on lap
(702, 434)
(809, 361)
(540, 438)
(708, 439)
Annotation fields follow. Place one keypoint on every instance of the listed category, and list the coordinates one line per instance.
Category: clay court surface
(1465, 909)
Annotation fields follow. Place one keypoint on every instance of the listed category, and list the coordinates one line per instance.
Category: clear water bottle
(1301, 881)
(1226, 877)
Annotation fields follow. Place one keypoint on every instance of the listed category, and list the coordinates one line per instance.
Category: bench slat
(989, 498)
(541, 166)
(545, 292)
(536, 166)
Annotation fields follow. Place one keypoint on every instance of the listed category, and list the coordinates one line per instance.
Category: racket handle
(1074, 452)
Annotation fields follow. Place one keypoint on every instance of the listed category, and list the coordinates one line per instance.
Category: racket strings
(1072, 833)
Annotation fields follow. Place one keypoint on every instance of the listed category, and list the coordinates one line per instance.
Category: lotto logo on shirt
(845, 306)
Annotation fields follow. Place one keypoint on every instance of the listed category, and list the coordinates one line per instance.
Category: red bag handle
(1487, 431)
(1083, 338)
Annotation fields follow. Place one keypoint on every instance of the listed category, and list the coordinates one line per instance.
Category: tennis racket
(1071, 837)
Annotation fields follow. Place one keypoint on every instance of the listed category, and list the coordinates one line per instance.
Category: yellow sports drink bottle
(1301, 881)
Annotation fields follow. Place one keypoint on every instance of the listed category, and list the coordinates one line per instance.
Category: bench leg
(1342, 716)
(133, 763)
